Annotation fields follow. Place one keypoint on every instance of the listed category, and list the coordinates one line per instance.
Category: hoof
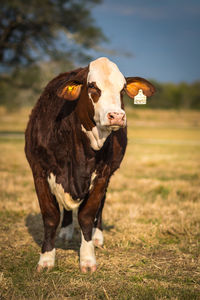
(41, 268)
(47, 260)
(87, 256)
(97, 238)
(97, 243)
(88, 266)
(66, 233)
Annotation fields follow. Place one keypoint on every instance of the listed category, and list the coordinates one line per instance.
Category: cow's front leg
(86, 216)
(97, 233)
(51, 217)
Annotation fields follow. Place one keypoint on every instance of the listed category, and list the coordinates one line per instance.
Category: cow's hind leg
(67, 226)
(51, 217)
(97, 233)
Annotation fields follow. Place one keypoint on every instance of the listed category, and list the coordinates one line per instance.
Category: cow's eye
(122, 91)
(91, 86)
(93, 89)
(94, 92)
(124, 88)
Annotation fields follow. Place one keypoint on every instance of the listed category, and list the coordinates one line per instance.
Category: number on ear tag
(140, 98)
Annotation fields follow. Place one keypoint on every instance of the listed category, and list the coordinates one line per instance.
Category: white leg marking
(97, 237)
(66, 233)
(87, 256)
(47, 260)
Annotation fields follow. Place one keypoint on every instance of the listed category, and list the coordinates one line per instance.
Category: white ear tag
(140, 98)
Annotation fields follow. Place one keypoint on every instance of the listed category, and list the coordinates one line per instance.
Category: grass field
(151, 218)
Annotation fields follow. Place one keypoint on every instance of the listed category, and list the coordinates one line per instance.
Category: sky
(154, 39)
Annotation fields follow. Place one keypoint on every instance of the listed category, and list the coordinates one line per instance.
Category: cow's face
(99, 88)
(105, 84)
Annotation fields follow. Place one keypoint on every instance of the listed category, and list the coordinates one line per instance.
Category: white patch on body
(96, 136)
(64, 199)
(97, 237)
(47, 259)
(66, 232)
(87, 255)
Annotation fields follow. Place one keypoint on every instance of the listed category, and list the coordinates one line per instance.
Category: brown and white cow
(75, 140)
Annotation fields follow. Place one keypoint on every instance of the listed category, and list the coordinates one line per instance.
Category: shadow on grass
(34, 224)
(107, 227)
(35, 227)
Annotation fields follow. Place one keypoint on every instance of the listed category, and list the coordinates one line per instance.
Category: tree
(38, 40)
(33, 30)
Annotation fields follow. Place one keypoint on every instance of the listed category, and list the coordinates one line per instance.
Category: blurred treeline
(24, 85)
(40, 39)
(173, 95)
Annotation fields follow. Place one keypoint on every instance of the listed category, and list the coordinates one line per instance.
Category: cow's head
(100, 88)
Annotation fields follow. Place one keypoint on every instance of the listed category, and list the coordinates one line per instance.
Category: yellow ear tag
(70, 88)
(140, 98)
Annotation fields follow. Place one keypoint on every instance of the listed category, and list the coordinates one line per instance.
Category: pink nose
(116, 118)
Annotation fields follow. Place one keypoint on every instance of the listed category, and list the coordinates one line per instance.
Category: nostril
(111, 116)
(116, 116)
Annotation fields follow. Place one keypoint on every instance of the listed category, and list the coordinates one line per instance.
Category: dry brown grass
(151, 219)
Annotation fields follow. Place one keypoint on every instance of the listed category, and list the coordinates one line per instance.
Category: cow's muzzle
(116, 120)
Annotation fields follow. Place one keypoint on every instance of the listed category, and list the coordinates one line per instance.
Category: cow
(75, 140)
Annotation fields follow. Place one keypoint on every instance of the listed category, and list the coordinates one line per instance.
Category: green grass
(151, 218)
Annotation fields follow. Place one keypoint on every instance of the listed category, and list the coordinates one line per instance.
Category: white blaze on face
(110, 81)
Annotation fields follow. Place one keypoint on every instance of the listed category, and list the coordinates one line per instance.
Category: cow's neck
(96, 136)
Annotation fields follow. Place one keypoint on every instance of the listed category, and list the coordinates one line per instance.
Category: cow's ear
(70, 91)
(134, 84)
